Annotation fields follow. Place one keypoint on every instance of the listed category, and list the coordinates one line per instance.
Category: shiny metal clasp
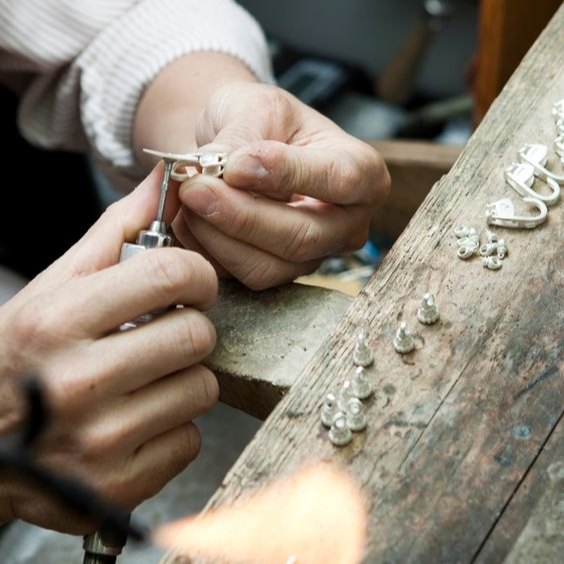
(521, 176)
(537, 156)
(502, 213)
(209, 163)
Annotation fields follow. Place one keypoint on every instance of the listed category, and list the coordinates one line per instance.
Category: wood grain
(456, 426)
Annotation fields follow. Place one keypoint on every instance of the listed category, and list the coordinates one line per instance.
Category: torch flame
(316, 516)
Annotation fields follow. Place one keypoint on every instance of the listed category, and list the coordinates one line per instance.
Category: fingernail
(250, 168)
(201, 200)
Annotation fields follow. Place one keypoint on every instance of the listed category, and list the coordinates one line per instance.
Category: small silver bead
(360, 385)
(404, 341)
(428, 312)
(493, 263)
(362, 356)
(461, 231)
(340, 434)
(355, 415)
(468, 250)
(329, 410)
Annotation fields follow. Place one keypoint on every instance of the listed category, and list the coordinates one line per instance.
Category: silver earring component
(493, 263)
(340, 434)
(467, 242)
(502, 213)
(466, 252)
(490, 236)
(355, 415)
(473, 235)
(210, 163)
(558, 109)
(559, 146)
(537, 156)
(488, 249)
(461, 231)
(501, 249)
(404, 341)
(428, 312)
(329, 410)
(360, 385)
(345, 395)
(521, 176)
(362, 356)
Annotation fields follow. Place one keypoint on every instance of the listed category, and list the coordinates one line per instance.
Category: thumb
(121, 222)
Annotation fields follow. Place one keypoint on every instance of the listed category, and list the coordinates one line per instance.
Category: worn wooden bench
(463, 458)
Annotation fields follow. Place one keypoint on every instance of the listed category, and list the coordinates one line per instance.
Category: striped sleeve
(85, 64)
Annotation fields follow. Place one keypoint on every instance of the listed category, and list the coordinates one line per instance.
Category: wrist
(167, 113)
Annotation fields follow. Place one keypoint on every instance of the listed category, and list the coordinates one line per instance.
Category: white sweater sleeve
(82, 65)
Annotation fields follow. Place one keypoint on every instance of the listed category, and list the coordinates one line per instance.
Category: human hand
(295, 189)
(121, 402)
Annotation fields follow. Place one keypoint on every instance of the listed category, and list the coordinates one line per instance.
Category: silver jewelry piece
(345, 395)
(362, 356)
(521, 176)
(329, 410)
(340, 434)
(428, 312)
(360, 385)
(462, 231)
(355, 415)
(493, 263)
(537, 156)
(558, 109)
(559, 146)
(488, 249)
(467, 242)
(467, 251)
(211, 163)
(502, 213)
(490, 236)
(404, 341)
(473, 235)
(501, 249)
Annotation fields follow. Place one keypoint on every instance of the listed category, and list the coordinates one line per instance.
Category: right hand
(121, 402)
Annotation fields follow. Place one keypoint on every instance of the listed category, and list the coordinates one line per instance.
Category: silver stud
(355, 415)
(493, 263)
(360, 385)
(473, 235)
(361, 354)
(501, 249)
(428, 312)
(340, 434)
(404, 341)
(329, 410)
(345, 395)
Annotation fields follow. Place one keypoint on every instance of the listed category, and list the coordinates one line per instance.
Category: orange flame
(316, 516)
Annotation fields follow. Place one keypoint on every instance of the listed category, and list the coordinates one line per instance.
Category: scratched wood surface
(461, 429)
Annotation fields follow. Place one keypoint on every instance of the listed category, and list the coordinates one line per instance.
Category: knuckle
(378, 173)
(196, 337)
(303, 243)
(209, 388)
(246, 223)
(171, 272)
(344, 175)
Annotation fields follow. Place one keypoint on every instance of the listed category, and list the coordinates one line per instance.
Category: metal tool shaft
(168, 164)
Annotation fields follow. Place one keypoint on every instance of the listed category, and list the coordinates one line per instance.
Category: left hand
(295, 189)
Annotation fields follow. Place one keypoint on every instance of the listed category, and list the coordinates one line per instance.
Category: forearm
(168, 111)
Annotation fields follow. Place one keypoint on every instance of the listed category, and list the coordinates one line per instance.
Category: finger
(253, 267)
(126, 361)
(155, 464)
(122, 221)
(355, 175)
(306, 230)
(154, 409)
(152, 280)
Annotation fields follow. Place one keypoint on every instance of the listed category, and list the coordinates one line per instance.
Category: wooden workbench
(463, 458)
